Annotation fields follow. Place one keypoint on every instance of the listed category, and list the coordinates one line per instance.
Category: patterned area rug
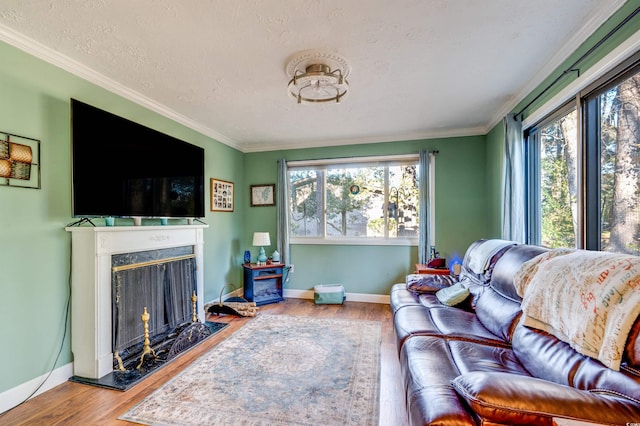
(276, 370)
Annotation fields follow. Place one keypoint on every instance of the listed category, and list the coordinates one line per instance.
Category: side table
(263, 283)
(422, 268)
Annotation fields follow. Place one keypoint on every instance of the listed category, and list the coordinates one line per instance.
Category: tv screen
(122, 169)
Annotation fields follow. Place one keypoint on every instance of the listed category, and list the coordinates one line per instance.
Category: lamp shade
(261, 239)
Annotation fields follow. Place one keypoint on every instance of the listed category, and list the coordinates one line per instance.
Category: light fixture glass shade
(318, 84)
(261, 239)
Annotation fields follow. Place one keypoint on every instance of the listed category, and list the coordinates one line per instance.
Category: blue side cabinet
(263, 283)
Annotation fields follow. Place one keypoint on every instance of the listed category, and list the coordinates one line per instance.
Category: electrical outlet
(291, 269)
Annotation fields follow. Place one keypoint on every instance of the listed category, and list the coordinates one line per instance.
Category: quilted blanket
(587, 299)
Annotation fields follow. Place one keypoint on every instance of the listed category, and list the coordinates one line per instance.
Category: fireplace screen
(162, 281)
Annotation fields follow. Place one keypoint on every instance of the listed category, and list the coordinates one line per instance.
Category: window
(554, 187)
(619, 128)
(586, 193)
(349, 200)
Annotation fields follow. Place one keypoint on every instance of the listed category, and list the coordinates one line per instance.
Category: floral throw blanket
(587, 299)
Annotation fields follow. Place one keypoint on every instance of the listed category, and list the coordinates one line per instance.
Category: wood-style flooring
(77, 404)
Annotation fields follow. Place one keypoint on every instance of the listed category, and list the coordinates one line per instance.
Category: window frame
(586, 101)
(386, 161)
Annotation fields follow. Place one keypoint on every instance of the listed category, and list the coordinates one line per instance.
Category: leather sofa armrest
(506, 398)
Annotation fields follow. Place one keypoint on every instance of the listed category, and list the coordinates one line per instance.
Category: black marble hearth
(123, 380)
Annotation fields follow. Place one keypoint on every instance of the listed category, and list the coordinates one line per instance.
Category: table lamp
(261, 239)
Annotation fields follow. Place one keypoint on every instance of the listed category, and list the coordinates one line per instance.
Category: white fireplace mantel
(92, 248)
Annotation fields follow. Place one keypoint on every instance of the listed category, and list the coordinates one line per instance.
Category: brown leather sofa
(475, 364)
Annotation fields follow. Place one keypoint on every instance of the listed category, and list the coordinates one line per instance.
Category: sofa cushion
(479, 356)
(498, 314)
(498, 306)
(452, 323)
(549, 358)
(507, 266)
(427, 370)
(429, 300)
(503, 398)
(429, 365)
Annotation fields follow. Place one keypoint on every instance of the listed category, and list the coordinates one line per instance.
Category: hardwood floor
(77, 404)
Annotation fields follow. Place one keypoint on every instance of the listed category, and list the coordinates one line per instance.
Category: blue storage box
(329, 294)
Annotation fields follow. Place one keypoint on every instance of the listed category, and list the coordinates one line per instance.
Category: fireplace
(116, 271)
(161, 281)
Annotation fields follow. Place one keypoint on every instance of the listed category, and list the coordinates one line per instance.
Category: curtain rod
(572, 68)
(354, 160)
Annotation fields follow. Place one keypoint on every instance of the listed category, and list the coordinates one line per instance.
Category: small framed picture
(221, 195)
(263, 195)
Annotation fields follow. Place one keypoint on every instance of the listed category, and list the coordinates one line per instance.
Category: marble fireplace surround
(92, 248)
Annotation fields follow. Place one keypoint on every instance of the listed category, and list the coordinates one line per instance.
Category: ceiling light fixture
(317, 76)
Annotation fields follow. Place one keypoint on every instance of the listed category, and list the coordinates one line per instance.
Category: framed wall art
(263, 195)
(221, 195)
(19, 161)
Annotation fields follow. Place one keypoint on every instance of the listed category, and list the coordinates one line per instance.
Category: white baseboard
(308, 294)
(351, 297)
(12, 397)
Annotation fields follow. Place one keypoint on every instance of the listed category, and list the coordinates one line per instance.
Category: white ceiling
(419, 68)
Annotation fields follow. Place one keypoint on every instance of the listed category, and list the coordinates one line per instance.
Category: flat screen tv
(124, 169)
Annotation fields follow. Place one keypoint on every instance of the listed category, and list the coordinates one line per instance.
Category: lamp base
(262, 257)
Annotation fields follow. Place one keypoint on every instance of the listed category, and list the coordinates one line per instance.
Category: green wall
(461, 214)
(35, 253)
(495, 153)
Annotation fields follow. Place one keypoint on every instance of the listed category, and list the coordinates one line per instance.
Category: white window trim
(343, 161)
(364, 241)
(358, 241)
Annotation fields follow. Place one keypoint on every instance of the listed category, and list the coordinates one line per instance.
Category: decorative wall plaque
(19, 161)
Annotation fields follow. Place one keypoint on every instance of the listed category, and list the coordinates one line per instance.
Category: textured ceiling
(419, 68)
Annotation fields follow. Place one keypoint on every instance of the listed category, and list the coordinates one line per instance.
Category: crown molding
(473, 131)
(64, 62)
(579, 37)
